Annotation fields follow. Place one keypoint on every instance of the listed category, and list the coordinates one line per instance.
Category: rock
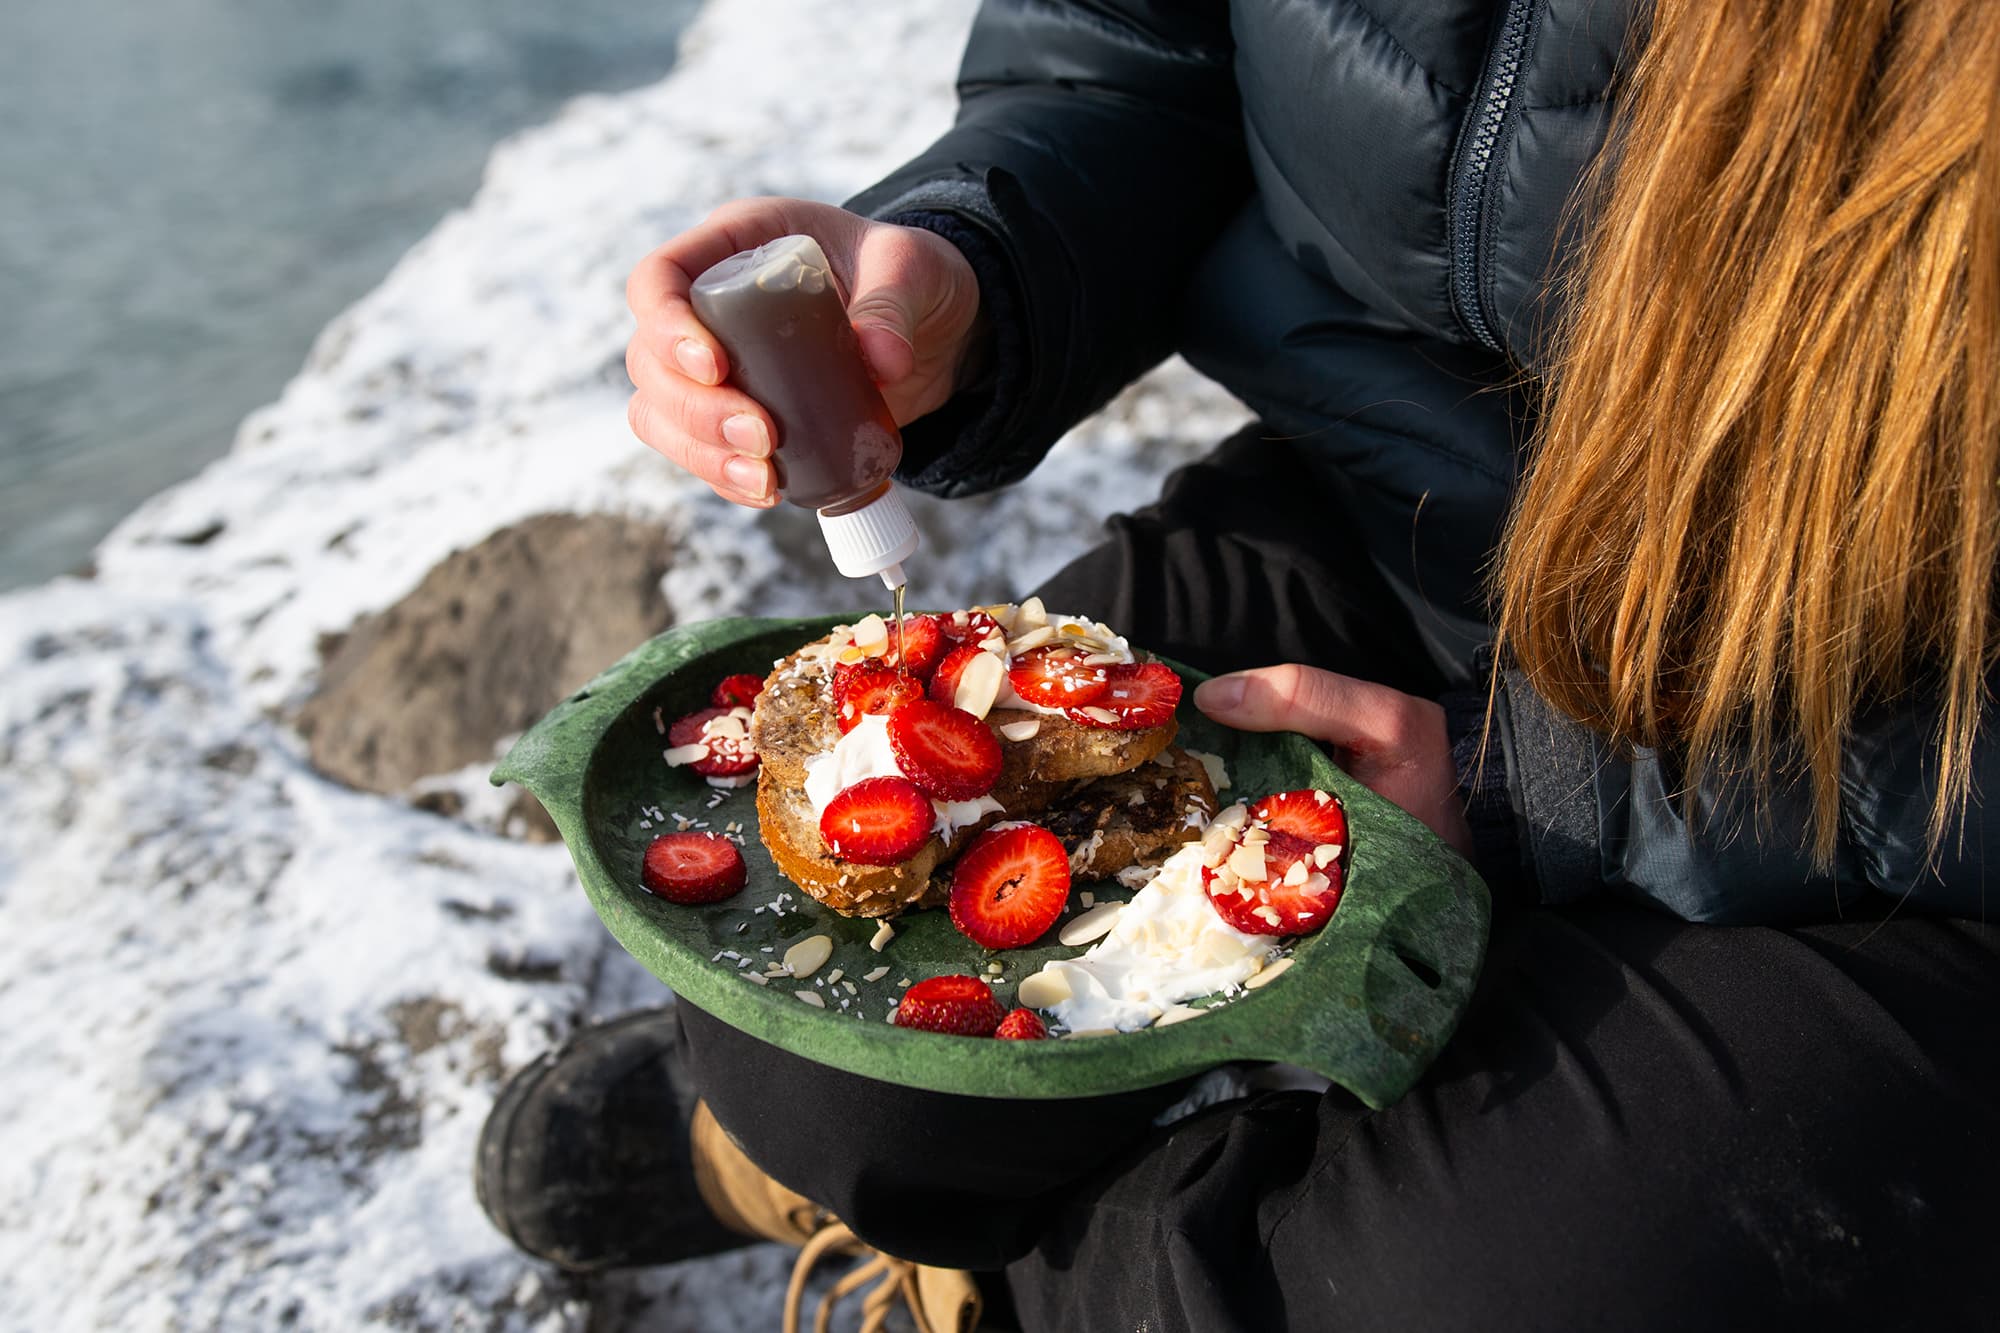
(490, 640)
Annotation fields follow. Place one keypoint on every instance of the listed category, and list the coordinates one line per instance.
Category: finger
(720, 415)
(893, 274)
(750, 481)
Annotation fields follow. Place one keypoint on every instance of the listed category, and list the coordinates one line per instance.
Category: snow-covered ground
(250, 1019)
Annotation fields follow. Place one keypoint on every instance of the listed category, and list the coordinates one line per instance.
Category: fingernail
(696, 360)
(1219, 695)
(745, 434)
(746, 475)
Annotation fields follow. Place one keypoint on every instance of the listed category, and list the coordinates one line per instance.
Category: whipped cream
(1168, 945)
(865, 752)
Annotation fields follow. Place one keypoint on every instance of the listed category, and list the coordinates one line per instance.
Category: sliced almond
(1104, 715)
(1105, 659)
(1271, 973)
(1033, 639)
(883, 934)
(1006, 613)
(1087, 898)
(1032, 613)
(871, 634)
(1248, 862)
(811, 997)
(1043, 990)
(979, 685)
(1217, 843)
(727, 727)
(686, 754)
(1317, 883)
(1325, 852)
(995, 643)
(1233, 816)
(876, 974)
(1024, 730)
(1093, 924)
(1268, 914)
(1179, 1013)
(1297, 874)
(833, 977)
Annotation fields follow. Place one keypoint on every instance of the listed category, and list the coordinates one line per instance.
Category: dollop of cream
(865, 752)
(1169, 945)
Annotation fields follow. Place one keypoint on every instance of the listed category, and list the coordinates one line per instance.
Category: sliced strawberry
(1056, 677)
(1137, 696)
(860, 690)
(877, 821)
(692, 868)
(739, 691)
(1316, 816)
(920, 647)
(729, 755)
(969, 627)
(1273, 907)
(947, 751)
(1022, 1025)
(1009, 886)
(944, 681)
(962, 1006)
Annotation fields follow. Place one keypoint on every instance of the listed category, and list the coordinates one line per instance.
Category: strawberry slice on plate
(947, 751)
(959, 1005)
(1022, 1025)
(1136, 695)
(920, 647)
(692, 868)
(861, 690)
(944, 681)
(1009, 886)
(1295, 897)
(738, 691)
(877, 821)
(1057, 677)
(1316, 816)
(724, 734)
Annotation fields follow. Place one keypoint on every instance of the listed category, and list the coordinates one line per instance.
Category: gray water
(190, 189)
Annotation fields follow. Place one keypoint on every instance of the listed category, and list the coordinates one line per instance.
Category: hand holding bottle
(912, 299)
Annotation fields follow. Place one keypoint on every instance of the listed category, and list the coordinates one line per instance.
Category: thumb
(890, 270)
(1291, 697)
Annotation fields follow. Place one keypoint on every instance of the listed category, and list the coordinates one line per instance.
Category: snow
(253, 1019)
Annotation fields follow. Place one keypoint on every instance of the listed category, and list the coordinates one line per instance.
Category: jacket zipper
(1474, 167)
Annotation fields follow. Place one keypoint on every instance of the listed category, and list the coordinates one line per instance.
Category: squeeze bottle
(778, 314)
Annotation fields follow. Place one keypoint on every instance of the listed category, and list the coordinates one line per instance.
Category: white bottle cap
(874, 539)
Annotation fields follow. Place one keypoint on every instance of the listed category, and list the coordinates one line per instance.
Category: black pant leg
(1641, 1125)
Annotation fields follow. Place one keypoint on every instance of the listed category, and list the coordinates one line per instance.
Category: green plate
(1368, 1002)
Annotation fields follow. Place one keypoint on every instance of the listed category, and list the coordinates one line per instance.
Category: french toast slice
(794, 722)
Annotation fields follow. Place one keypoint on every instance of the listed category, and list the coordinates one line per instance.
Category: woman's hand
(912, 298)
(1393, 743)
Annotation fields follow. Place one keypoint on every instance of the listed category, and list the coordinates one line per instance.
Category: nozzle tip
(892, 577)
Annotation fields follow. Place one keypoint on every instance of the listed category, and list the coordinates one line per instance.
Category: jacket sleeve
(1588, 819)
(1097, 151)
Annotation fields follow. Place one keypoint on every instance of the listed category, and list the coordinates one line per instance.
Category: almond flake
(727, 727)
(1032, 612)
(1043, 990)
(1325, 852)
(686, 754)
(808, 955)
(1274, 971)
(1267, 913)
(1025, 730)
(1104, 715)
(833, 977)
(1033, 639)
(1102, 659)
(1090, 925)
(811, 997)
(883, 934)
(1180, 1013)
(979, 685)
(877, 974)
(1087, 899)
(1297, 874)
(1248, 862)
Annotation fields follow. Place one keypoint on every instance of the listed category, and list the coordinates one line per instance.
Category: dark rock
(490, 640)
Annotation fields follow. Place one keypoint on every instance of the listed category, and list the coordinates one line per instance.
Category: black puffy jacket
(1350, 215)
